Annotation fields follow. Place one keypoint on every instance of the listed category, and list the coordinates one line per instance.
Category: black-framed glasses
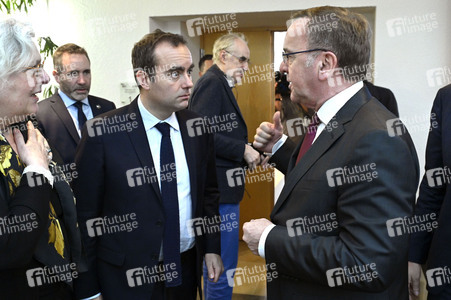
(286, 56)
(241, 59)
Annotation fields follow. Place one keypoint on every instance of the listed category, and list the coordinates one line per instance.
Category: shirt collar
(331, 107)
(150, 120)
(68, 101)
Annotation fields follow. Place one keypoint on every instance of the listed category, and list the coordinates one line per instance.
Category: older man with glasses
(213, 97)
(334, 230)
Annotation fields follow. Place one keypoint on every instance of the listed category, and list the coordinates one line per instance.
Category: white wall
(108, 30)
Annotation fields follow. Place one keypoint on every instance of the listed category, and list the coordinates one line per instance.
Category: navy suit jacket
(104, 188)
(57, 126)
(318, 188)
(433, 247)
(213, 97)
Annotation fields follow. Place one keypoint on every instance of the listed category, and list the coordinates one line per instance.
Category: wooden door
(255, 96)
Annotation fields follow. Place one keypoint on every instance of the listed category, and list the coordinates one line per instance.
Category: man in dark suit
(140, 168)
(384, 95)
(333, 232)
(432, 245)
(60, 118)
(213, 97)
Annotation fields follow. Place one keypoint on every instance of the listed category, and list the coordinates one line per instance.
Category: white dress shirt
(73, 111)
(183, 176)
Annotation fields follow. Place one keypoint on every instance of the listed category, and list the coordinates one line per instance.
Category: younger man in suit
(141, 169)
(62, 116)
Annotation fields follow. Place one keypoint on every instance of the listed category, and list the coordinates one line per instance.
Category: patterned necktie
(81, 114)
(309, 137)
(171, 235)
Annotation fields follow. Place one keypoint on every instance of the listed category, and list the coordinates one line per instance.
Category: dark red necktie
(309, 137)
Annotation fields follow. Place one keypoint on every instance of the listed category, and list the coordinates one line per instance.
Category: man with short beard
(62, 116)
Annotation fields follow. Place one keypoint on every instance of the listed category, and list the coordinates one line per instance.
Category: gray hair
(16, 47)
(226, 42)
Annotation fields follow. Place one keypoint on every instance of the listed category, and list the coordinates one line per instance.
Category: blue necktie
(171, 235)
(81, 114)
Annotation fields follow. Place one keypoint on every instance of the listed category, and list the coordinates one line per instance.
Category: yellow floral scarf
(12, 168)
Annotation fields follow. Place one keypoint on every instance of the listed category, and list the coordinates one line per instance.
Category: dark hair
(348, 35)
(203, 59)
(66, 48)
(143, 53)
(282, 84)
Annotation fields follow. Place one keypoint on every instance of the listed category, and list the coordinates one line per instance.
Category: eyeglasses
(37, 69)
(241, 59)
(286, 56)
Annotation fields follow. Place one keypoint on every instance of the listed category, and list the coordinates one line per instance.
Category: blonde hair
(226, 42)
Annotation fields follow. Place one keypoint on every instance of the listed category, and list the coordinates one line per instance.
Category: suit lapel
(96, 106)
(60, 109)
(188, 146)
(325, 140)
(138, 138)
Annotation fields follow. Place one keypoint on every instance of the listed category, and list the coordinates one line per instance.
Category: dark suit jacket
(57, 125)
(213, 97)
(384, 95)
(102, 189)
(27, 250)
(357, 136)
(434, 247)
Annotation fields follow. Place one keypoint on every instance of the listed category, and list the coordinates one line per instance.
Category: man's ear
(143, 79)
(222, 56)
(56, 76)
(327, 65)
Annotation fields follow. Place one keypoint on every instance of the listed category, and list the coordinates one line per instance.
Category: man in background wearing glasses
(336, 231)
(213, 98)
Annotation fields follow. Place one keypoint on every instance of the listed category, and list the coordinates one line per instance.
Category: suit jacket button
(154, 257)
(159, 223)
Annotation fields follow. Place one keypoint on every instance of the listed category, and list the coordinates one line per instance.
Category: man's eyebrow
(180, 68)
